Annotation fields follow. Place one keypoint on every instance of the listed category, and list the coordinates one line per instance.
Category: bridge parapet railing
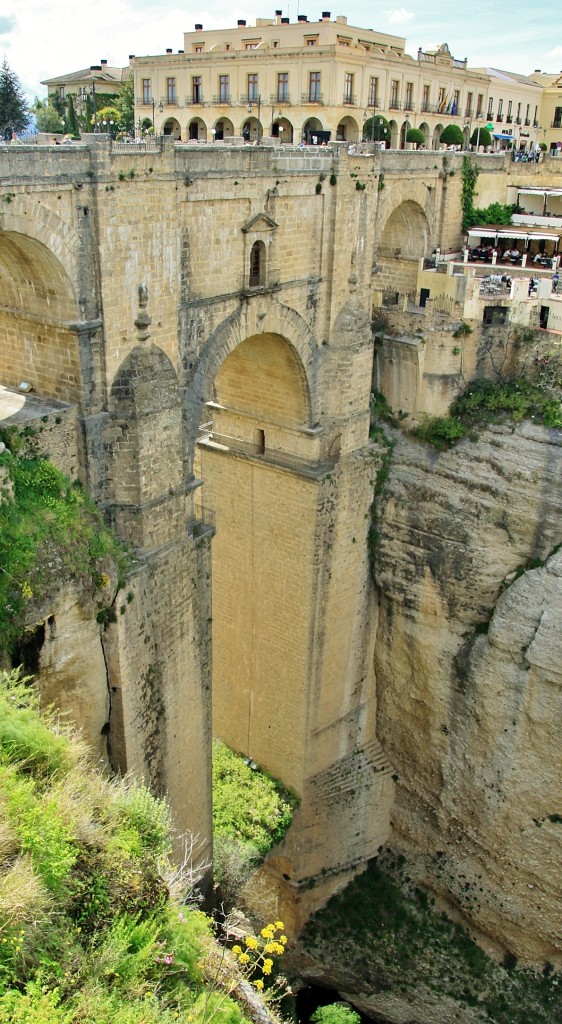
(275, 455)
(203, 521)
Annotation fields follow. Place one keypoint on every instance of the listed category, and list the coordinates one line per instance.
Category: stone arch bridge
(204, 314)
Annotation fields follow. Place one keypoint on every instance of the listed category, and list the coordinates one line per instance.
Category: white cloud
(556, 52)
(399, 17)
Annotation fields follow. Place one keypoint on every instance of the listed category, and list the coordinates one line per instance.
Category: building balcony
(409, 106)
(307, 97)
(222, 101)
(535, 220)
(194, 101)
(509, 119)
(499, 117)
(557, 123)
(350, 101)
(517, 120)
(527, 122)
(468, 112)
(395, 105)
(279, 100)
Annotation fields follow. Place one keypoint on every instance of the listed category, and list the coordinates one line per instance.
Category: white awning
(539, 191)
(510, 233)
(540, 236)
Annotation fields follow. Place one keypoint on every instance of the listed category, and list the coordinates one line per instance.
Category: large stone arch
(37, 223)
(37, 302)
(246, 322)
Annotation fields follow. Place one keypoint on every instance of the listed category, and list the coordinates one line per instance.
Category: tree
(452, 135)
(71, 122)
(125, 104)
(47, 119)
(14, 112)
(481, 137)
(379, 132)
(416, 136)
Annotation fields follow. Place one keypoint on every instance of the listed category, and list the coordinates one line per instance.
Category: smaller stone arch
(393, 134)
(223, 129)
(348, 130)
(251, 128)
(282, 129)
(427, 134)
(310, 126)
(172, 127)
(196, 130)
(437, 133)
(403, 133)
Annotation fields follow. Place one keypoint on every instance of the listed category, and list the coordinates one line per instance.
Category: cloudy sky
(42, 41)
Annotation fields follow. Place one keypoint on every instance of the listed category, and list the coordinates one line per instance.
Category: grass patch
(49, 532)
(93, 921)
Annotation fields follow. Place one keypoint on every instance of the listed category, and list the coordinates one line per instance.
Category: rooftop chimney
(95, 67)
(302, 17)
(198, 28)
(326, 15)
(284, 21)
(181, 51)
(169, 51)
(278, 14)
(103, 63)
(131, 56)
(241, 23)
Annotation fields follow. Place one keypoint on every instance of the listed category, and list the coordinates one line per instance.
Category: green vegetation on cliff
(93, 927)
(394, 941)
(251, 814)
(50, 532)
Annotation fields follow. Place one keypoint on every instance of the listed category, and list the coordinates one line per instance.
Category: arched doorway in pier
(172, 127)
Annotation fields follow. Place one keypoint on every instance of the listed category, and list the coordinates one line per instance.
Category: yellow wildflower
(258, 983)
(251, 942)
(283, 939)
(244, 958)
(279, 926)
(267, 965)
(237, 950)
(26, 591)
(267, 933)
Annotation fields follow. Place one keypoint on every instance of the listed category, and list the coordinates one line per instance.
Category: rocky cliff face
(469, 678)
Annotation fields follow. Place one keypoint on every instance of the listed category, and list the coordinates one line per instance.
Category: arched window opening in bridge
(257, 265)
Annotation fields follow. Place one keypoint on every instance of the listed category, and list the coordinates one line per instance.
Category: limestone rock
(469, 676)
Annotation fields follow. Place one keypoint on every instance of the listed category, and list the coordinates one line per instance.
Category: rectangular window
(455, 109)
(253, 91)
(197, 89)
(283, 86)
(535, 119)
(198, 49)
(224, 88)
(348, 88)
(394, 86)
(518, 113)
(373, 92)
(490, 106)
(62, 92)
(500, 110)
(468, 111)
(557, 122)
(171, 90)
(251, 46)
(409, 97)
(425, 99)
(440, 101)
(509, 109)
(479, 104)
(311, 42)
(314, 93)
(146, 91)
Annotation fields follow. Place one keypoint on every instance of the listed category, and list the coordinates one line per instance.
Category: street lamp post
(213, 133)
(258, 101)
(281, 134)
